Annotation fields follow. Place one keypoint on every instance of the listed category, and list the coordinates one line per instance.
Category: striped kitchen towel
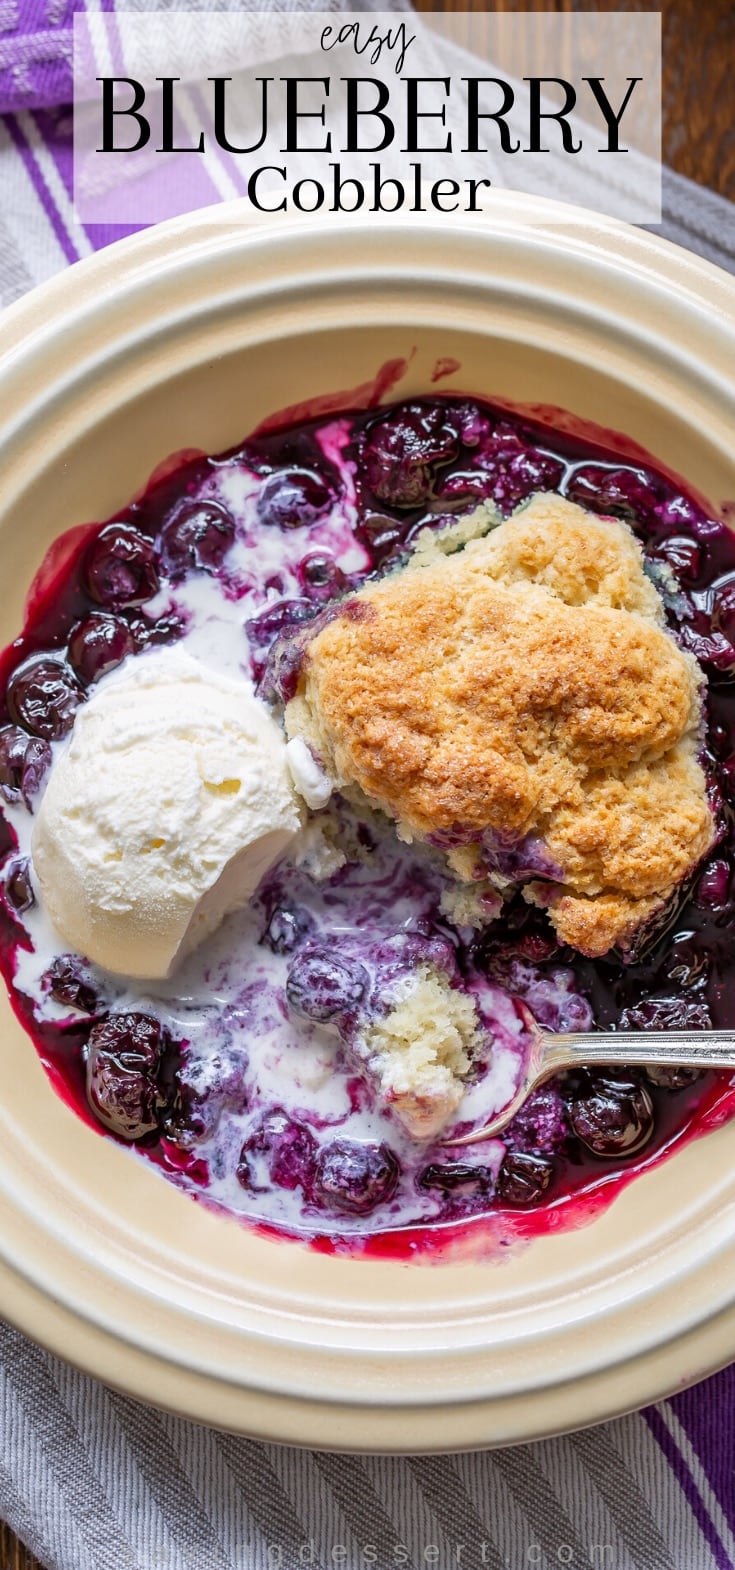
(39, 232)
(92, 1481)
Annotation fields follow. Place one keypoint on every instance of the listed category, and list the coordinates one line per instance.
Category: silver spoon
(550, 1053)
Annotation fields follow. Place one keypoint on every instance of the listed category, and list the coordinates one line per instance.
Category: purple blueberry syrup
(239, 1078)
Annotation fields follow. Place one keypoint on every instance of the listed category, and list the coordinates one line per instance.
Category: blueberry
(524, 1177)
(287, 926)
(202, 1089)
(43, 695)
(525, 474)
(293, 498)
(278, 639)
(322, 987)
(13, 748)
(462, 484)
(473, 425)
(612, 1117)
(620, 1078)
(541, 1122)
(98, 644)
(723, 610)
(354, 1178)
(401, 954)
(506, 470)
(18, 886)
(382, 534)
(282, 617)
(24, 763)
(727, 771)
(164, 630)
(708, 645)
(282, 667)
(678, 511)
(121, 567)
(537, 947)
(519, 859)
(197, 535)
(66, 983)
(669, 1076)
(503, 444)
(631, 494)
(401, 450)
(287, 1147)
(683, 555)
(666, 1013)
(688, 967)
(549, 994)
(712, 885)
(454, 1176)
(575, 1013)
(124, 1057)
(320, 576)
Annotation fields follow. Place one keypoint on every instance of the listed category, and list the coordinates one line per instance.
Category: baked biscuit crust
(523, 692)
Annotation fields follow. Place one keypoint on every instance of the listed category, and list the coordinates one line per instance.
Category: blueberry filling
(121, 567)
(293, 499)
(524, 1177)
(354, 1177)
(68, 984)
(98, 644)
(18, 885)
(279, 1151)
(200, 1091)
(612, 1115)
(24, 761)
(197, 535)
(253, 1083)
(324, 988)
(402, 451)
(124, 1060)
(43, 696)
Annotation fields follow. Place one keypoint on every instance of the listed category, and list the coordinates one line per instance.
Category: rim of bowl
(367, 1356)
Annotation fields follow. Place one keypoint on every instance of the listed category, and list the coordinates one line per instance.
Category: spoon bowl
(552, 1052)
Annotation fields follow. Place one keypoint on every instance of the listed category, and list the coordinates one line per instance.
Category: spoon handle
(682, 1048)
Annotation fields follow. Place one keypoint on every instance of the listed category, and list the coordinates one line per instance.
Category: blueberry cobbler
(333, 763)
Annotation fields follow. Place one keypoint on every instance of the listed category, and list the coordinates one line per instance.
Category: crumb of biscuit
(453, 535)
(420, 1052)
(520, 704)
(471, 904)
(596, 924)
(318, 852)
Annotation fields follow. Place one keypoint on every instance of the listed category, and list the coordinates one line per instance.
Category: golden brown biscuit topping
(521, 704)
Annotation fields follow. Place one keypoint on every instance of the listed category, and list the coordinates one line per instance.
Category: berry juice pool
(230, 1076)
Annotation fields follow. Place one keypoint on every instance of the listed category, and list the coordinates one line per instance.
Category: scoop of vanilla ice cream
(168, 806)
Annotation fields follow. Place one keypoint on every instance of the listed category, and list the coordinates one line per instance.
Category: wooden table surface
(698, 67)
(698, 141)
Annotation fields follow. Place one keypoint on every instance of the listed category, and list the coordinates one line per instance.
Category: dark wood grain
(698, 141)
(13, 1556)
(698, 68)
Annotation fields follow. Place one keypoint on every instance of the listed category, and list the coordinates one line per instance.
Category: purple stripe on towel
(54, 127)
(707, 1414)
(688, 1486)
(41, 189)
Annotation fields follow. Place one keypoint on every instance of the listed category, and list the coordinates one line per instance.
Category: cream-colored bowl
(187, 336)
